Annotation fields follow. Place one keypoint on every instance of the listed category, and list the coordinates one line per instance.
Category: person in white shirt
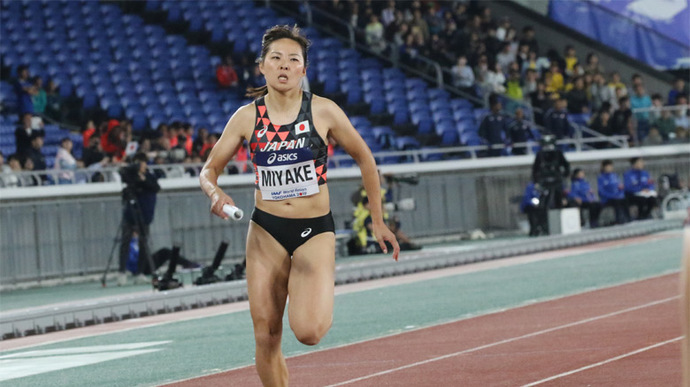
(64, 161)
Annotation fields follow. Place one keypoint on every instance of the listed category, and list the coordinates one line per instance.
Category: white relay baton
(233, 212)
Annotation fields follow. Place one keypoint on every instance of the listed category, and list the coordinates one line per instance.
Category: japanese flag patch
(302, 127)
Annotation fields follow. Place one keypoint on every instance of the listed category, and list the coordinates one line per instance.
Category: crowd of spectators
(489, 55)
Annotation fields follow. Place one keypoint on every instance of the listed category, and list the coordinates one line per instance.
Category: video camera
(408, 178)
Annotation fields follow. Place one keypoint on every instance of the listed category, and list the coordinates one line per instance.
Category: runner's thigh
(311, 285)
(268, 268)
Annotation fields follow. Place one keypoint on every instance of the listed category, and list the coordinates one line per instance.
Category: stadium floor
(186, 345)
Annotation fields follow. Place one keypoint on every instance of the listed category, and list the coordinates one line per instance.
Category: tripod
(130, 202)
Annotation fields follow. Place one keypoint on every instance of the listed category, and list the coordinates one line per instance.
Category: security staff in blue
(582, 196)
(531, 205)
(556, 120)
(520, 131)
(639, 189)
(611, 192)
(494, 128)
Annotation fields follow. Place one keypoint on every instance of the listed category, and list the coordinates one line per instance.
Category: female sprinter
(291, 240)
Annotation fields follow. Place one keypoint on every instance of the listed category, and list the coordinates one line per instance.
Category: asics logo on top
(286, 157)
(306, 232)
(261, 132)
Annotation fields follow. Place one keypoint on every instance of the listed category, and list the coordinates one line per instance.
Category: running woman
(291, 240)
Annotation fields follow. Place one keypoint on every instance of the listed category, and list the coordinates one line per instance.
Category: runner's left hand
(383, 235)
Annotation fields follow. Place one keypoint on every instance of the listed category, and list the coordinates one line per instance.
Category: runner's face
(283, 67)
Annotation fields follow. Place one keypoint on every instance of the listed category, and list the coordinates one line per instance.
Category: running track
(624, 335)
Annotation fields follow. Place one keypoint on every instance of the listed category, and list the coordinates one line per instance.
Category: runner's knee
(311, 333)
(267, 335)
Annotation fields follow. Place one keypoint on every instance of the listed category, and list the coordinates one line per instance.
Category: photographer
(139, 203)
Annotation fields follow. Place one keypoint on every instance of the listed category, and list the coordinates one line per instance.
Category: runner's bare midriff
(306, 207)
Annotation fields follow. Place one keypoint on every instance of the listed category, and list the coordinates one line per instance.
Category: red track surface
(515, 347)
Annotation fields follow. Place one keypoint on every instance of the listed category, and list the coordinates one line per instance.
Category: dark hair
(634, 160)
(65, 139)
(605, 164)
(656, 96)
(576, 171)
(140, 157)
(272, 34)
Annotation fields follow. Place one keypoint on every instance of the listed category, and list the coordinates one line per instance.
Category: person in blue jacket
(611, 192)
(582, 196)
(639, 189)
(532, 206)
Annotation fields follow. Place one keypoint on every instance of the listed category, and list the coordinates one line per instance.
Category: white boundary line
(506, 341)
(593, 365)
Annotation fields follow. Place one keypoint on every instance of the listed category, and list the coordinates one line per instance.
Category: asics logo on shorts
(306, 232)
(284, 157)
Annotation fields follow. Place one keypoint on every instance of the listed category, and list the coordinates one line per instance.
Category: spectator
(226, 74)
(528, 38)
(494, 82)
(653, 138)
(25, 131)
(616, 83)
(593, 67)
(540, 99)
(641, 100)
(187, 138)
(513, 89)
(657, 107)
(600, 91)
(374, 35)
(666, 124)
(88, 132)
(556, 120)
(29, 180)
(578, 102)
(681, 113)
(602, 123)
(39, 99)
(506, 56)
(557, 81)
(520, 131)
(681, 136)
(463, 77)
(621, 122)
(611, 192)
(482, 69)
(53, 102)
(199, 141)
(639, 188)
(582, 196)
(256, 79)
(530, 83)
(113, 140)
(14, 167)
(636, 79)
(494, 128)
(93, 153)
(24, 90)
(210, 143)
(35, 152)
(679, 87)
(65, 162)
(4, 168)
(388, 13)
(570, 60)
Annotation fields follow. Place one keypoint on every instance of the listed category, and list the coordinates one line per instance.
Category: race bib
(286, 174)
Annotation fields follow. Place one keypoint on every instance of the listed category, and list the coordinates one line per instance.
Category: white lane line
(635, 352)
(506, 341)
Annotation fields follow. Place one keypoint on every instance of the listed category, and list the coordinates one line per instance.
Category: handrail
(658, 109)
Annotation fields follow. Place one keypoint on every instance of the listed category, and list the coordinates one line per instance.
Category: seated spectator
(601, 123)
(681, 113)
(35, 152)
(256, 79)
(25, 90)
(679, 88)
(570, 60)
(578, 102)
(600, 91)
(653, 138)
(681, 136)
(11, 179)
(611, 192)
(226, 75)
(27, 129)
(463, 77)
(556, 120)
(540, 99)
(513, 88)
(616, 83)
(530, 82)
(494, 82)
(494, 128)
(666, 124)
(374, 35)
(65, 162)
(39, 99)
(199, 141)
(641, 100)
(520, 131)
(582, 196)
(506, 56)
(113, 140)
(657, 107)
(53, 102)
(557, 81)
(208, 145)
(532, 207)
(639, 189)
(621, 122)
(592, 66)
(29, 180)
(528, 38)
(636, 79)
(93, 153)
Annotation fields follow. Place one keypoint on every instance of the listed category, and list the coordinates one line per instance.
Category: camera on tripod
(408, 178)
